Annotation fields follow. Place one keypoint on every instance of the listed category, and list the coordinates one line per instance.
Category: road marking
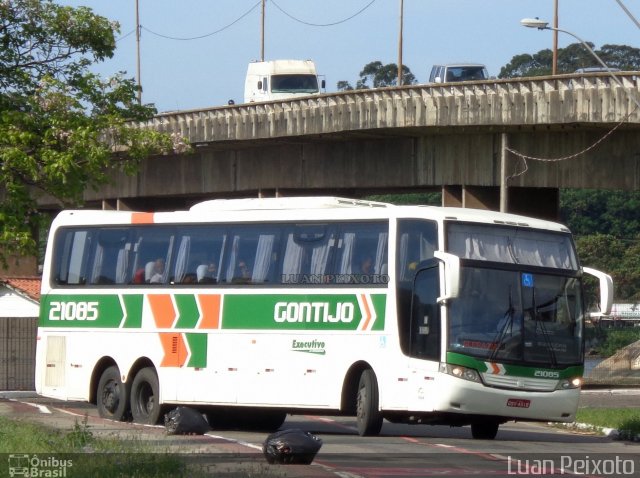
(41, 408)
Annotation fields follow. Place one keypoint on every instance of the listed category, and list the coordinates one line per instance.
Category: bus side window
(308, 254)
(71, 256)
(362, 253)
(252, 257)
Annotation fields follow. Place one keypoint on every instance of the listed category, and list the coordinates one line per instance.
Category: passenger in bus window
(366, 265)
(158, 271)
(243, 273)
(207, 273)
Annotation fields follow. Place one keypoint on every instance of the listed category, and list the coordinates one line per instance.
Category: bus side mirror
(323, 84)
(451, 275)
(260, 85)
(606, 290)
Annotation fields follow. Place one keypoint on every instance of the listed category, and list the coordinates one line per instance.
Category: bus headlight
(569, 383)
(460, 372)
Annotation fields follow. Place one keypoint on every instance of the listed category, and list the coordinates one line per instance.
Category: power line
(168, 37)
(323, 24)
(524, 157)
(125, 35)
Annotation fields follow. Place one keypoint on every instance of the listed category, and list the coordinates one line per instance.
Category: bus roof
(300, 209)
(253, 204)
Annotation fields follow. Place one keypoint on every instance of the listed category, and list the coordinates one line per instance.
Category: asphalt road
(399, 451)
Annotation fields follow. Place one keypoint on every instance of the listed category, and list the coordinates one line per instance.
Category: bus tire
(486, 430)
(368, 416)
(113, 395)
(145, 406)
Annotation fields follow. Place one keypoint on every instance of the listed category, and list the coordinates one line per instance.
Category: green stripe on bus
(133, 306)
(187, 310)
(198, 347)
(83, 311)
(514, 370)
(300, 312)
(347, 312)
(379, 304)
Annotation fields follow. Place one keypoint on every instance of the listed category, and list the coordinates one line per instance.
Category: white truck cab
(280, 79)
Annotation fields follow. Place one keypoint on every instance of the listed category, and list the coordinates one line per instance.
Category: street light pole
(138, 53)
(400, 43)
(554, 66)
(542, 25)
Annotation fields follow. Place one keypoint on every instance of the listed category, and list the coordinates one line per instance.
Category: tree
(570, 59)
(63, 129)
(379, 75)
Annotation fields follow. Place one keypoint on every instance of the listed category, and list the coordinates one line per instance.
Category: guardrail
(587, 98)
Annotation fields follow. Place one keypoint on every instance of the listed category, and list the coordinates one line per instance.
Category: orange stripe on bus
(175, 350)
(162, 309)
(367, 311)
(210, 307)
(142, 218)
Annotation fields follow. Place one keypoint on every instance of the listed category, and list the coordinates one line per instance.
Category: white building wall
(15, 305)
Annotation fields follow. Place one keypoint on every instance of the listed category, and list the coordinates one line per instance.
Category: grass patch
(88, 455)
(100, 457)
(626, 420)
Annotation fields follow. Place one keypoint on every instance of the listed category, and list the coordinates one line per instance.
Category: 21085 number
(73, 311)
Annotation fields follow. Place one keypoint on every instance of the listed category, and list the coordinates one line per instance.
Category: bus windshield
(516, 316)
(520, 295)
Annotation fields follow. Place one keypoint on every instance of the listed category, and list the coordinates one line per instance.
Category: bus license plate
(518, 403)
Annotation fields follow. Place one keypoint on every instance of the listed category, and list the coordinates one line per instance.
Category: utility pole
(262, 32)
(504, 187)
(554, 67)
(138, 53)
(400, 43)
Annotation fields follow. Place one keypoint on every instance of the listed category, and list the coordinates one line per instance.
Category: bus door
(425, 335)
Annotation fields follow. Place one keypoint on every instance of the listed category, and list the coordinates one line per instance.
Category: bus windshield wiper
(498, 341)
(545, 334)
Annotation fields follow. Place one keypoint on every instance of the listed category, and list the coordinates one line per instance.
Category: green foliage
(617, 339)
(379, 75)
(591, 211)
(430, 199)
(570, 59)
(62, 128)
(607, 229)
(80, 436)
(625, 420)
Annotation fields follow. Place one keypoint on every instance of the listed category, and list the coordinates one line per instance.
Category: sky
(209, 71)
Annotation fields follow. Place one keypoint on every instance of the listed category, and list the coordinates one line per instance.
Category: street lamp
(542, 25)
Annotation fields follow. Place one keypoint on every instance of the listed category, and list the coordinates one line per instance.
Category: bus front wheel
(484, 430)
(368, 416)
(145, 404)
(113, 395)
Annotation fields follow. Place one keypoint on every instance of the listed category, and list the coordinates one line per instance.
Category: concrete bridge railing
(566, 99)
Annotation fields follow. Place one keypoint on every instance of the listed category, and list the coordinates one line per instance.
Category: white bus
(252, 309)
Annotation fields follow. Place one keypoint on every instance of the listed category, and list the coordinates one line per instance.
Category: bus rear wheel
(484, 430)
(113, 395)
(145, 403)
(368, 416)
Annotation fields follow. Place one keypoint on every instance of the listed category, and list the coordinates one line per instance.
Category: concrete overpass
(445, 137)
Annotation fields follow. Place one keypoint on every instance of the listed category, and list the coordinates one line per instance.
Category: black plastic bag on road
(294, 446)
(185, 421)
